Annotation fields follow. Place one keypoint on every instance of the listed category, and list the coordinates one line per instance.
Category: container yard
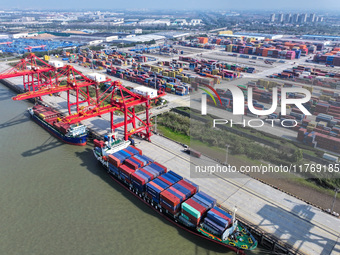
(21, 46)
(105, 58)
(331, 58)
(310, 76)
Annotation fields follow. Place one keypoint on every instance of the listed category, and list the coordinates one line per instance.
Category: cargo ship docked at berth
(175, 198)
(48, 118)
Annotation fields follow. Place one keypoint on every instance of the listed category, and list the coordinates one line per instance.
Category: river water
(56, 199)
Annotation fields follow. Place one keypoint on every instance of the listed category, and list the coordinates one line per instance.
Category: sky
(291, 5)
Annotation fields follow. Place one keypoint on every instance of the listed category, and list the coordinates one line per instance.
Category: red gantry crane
(69, 79)
(8, 43)
(35, 72)
(29, 48)
(123, 100)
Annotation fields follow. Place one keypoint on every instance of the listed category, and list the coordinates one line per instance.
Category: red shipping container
(140, 162)
(137, 178)
(192, 219)
(170, 198)
(170, 209)
(156, 186)
(164, 180)
(196, 205)
(188, 186)
(97, 143)
(131, 164)
(147, 173)
(178, 192)
(114, 161)
(128, 152)
(126, 170)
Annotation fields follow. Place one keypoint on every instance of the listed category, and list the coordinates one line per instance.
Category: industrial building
(153, 22)
(22, 35)
(321, 37)
(226, 36)
(104, 37)
(3, 36)
(267, 36)
(141, 38)
(174, 35)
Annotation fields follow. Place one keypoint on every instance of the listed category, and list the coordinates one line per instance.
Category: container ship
(175, 198)
(49, 119)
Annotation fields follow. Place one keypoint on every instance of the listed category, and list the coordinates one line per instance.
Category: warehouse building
(104, 37)
(173, 35)
(267, 36)
(142, 39)
(321, 37)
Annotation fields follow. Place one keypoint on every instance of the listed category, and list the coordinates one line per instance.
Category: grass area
(271, 138)
(167, 132)
(313, 185)
(213, 151)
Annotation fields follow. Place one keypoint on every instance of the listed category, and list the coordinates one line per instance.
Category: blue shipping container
(176, 175)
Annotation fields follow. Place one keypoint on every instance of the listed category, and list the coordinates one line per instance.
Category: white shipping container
(56, 64)
(96, 77)
(145, 91)
(330, 157)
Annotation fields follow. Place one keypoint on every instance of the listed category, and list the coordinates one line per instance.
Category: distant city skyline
(302, 5)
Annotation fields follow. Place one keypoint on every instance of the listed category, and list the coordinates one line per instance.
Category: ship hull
(164, 214)
(80, 141)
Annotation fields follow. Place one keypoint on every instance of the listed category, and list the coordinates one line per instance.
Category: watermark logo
(239, 100)
(204, 98)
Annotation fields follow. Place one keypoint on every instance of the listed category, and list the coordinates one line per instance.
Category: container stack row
(179, 197)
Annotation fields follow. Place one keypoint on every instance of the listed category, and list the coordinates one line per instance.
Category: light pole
(226, 156)
(336, 193)
(234, 214)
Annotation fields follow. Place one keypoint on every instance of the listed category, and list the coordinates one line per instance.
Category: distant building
(2, 36)
(181, 22)
(27, 19)
(272, 17)
(280, 17)
(23, 35)
(322, 37)
(138, 31)
(173, 34)
(288, 17)
(295, 18)
(312, 17)
(226, 32)
(103, 37)
(153, 22)
(195, 22)
(142, 38)
(303, 18)
(259, 35)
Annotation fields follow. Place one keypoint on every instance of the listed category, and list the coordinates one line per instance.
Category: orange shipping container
(203, 40)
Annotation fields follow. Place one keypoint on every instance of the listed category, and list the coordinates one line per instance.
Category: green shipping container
(191, 210)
